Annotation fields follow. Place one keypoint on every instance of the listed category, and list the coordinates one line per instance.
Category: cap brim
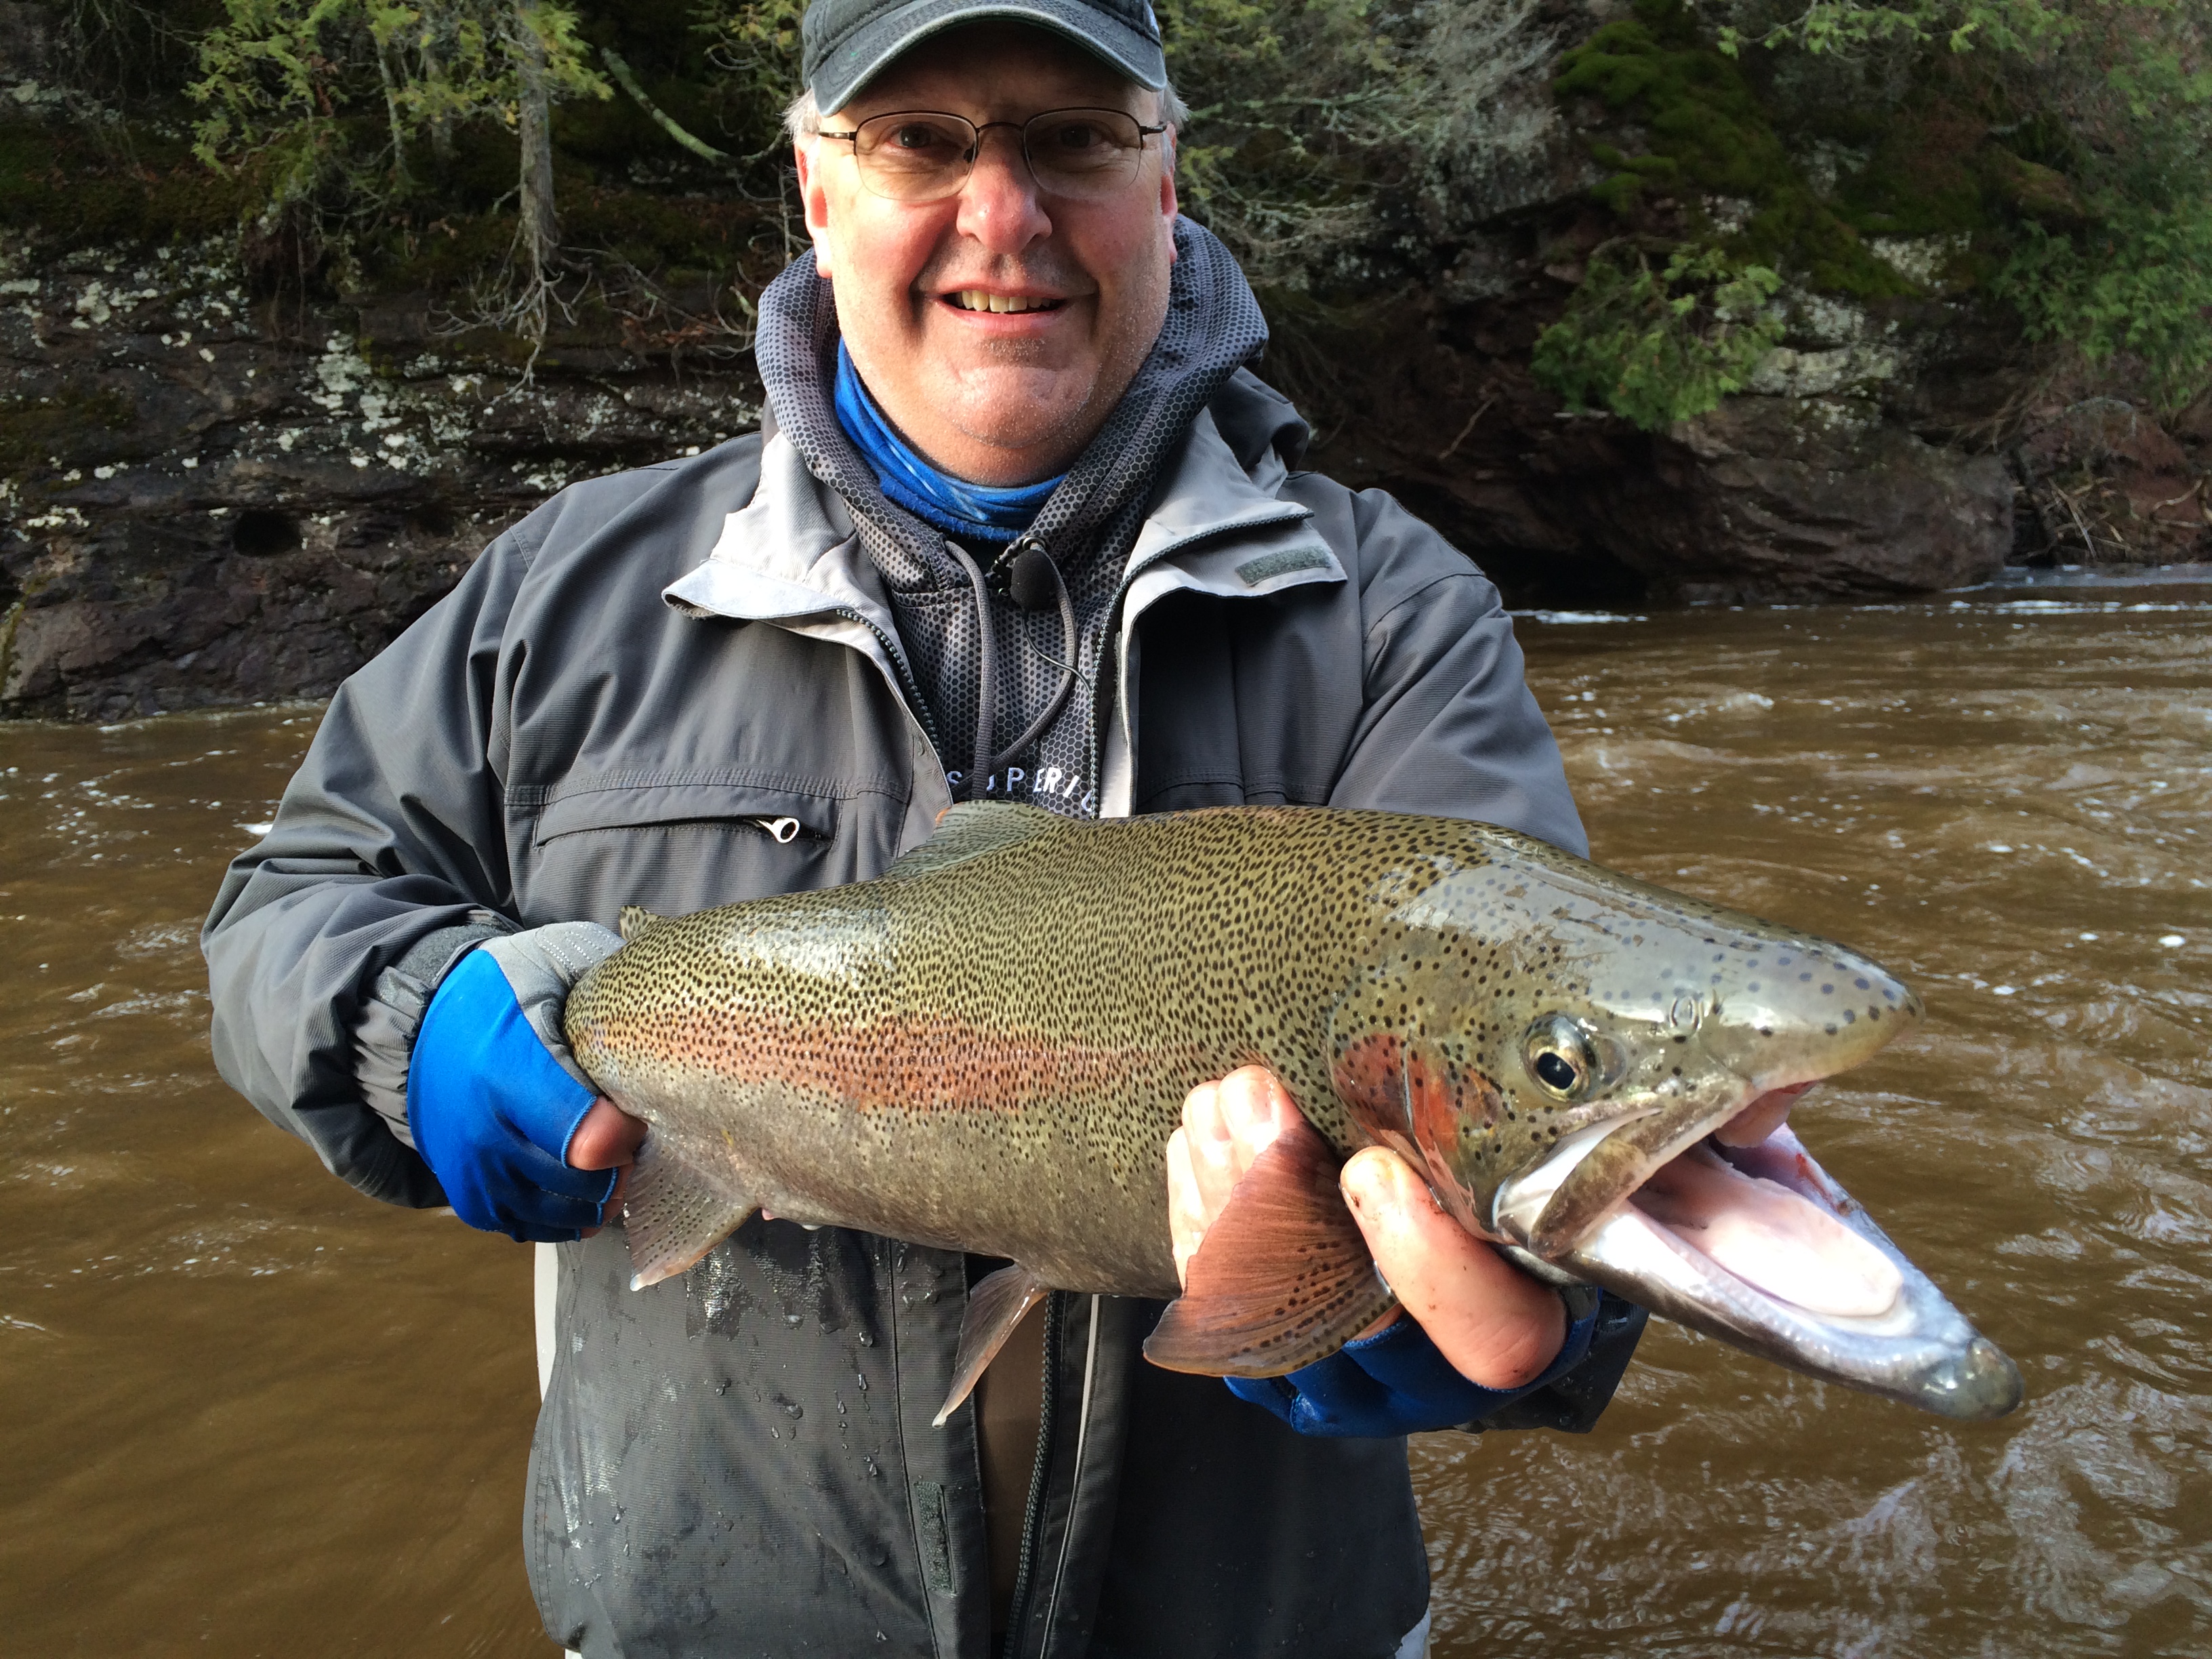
(869, 49)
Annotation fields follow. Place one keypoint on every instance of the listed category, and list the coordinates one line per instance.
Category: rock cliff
(226, 478)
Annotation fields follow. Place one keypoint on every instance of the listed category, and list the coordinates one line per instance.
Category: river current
(244, 1411)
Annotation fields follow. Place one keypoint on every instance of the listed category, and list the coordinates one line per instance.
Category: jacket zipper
(907, 689)
(1039, 1476)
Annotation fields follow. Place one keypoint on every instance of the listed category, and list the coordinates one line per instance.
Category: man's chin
(1016, 413)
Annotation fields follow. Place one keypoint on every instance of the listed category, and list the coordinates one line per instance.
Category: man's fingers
(1187, 1214)
(1256, 1109)
(607, 1137)
(1500, 1327)
(1761, 1118)
(1213, 1147)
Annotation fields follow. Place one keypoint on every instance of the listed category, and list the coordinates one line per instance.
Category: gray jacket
(623, 692)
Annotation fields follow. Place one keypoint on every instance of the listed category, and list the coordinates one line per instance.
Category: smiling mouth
(976, 298)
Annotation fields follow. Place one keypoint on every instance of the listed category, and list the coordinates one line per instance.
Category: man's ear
(1168, 207)
(814, 198)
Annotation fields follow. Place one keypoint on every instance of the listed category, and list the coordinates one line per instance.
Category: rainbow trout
(986, 1049)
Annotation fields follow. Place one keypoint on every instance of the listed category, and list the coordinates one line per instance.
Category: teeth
(976, 298)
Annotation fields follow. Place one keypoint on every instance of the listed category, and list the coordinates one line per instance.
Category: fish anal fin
(673, 1215)
(634, 919)
(996, 1304)
(1282, 1277)
(968, 829)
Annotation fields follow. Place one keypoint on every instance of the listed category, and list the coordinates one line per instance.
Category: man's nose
(998, 204)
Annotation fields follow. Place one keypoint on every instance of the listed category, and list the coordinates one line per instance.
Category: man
(1021, 524)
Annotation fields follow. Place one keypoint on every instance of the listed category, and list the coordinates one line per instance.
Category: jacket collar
(790, 555)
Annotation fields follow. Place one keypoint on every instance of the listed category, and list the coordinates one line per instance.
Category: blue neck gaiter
(974, 511)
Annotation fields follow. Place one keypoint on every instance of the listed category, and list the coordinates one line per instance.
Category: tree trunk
(540, 229)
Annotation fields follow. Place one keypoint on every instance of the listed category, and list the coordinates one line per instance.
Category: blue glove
(492, 1107)
(1394, 1383)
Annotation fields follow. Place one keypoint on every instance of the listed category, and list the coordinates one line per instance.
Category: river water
(243, 1411)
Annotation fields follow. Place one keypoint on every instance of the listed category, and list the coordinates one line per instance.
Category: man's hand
(516, 1135)
(1497, 1326)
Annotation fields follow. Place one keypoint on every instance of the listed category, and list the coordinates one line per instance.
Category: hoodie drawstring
(1029, 569)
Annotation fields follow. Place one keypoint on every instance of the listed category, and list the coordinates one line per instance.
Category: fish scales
(968, 1057)
(987, 1048)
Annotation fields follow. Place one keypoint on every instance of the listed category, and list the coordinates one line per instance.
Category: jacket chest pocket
(675, 847)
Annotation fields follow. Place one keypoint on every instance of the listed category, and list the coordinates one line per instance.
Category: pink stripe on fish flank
(906, 1064)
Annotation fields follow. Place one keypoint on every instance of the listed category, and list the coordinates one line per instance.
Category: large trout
(987, 1049)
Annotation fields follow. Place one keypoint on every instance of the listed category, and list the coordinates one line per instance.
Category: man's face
(994, 397)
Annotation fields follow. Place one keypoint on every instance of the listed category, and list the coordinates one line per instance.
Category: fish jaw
(1740, 1012)
(1877, 1324)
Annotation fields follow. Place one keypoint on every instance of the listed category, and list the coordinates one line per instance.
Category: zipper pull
(782, 832)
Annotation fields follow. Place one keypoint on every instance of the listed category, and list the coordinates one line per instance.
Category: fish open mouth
(1757, 1245)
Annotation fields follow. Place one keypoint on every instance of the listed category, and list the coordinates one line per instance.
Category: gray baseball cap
(847, 43)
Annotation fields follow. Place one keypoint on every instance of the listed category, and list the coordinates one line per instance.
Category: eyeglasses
(924, 155)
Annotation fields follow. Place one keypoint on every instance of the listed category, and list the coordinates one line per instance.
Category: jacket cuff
(384, 1041)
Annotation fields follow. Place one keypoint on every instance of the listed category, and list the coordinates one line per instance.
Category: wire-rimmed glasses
(925, 155)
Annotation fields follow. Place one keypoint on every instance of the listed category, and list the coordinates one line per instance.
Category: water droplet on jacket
(862, 1380)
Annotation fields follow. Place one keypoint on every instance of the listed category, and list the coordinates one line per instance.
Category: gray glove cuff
(542, 964)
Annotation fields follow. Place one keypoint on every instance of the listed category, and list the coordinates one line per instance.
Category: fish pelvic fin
(672, 1216)
(995, 1306)
(635, 921)
(1283, 1277)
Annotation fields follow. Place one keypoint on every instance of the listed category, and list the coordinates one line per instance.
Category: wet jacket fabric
(620, 698)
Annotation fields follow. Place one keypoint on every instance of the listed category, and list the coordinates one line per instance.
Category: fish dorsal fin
(636, 919)
(968, 830)
(673, 1215)
(995, 1306)
(1282, 1277)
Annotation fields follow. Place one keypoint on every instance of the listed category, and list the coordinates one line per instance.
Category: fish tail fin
(674, 1218)
(995, 1306)
(1283, 1277)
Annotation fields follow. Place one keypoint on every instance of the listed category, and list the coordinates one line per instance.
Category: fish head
(1592, 1071)
(1546, 1033)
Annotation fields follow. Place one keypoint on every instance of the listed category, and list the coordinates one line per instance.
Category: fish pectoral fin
(673, 1215)
(968, 830)
(996, 1304)
(1282, 1277)
(634, 919)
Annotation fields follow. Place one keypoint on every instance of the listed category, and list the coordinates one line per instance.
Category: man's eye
(1075, 136)
(916, 136)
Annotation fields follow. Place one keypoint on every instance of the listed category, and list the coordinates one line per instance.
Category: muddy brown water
(243, 1411)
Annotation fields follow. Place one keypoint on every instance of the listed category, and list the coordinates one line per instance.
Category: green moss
(1710, 133)
(135, 187)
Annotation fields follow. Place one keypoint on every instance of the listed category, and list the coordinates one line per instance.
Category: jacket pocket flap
(781, 812)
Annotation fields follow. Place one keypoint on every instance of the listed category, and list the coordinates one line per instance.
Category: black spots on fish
(1754, 986)
(1830, 1028)
(1827, 990)
(1850, 1016)
(1766, 1031)
(1862, 985)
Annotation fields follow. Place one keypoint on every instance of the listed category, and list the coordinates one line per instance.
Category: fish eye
(1560, 1056)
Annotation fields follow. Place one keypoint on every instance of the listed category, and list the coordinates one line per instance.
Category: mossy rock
(1708, 133)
